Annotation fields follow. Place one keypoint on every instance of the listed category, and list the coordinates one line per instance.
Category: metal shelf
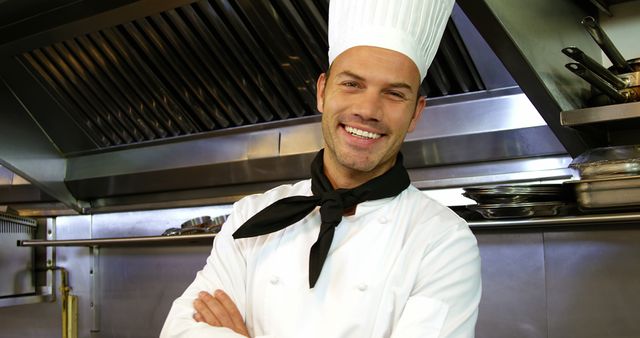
(206, 239)
(126, 241)
(616, 112)
(557, 221)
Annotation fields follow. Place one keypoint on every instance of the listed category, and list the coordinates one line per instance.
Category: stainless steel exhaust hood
(528, 37)
(134, 104)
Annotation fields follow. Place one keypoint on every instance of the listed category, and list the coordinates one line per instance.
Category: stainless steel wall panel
(513, 286)
(43, 319)
(17, 276)
(77, 260)
(593, 283)
(31, 321)
(139, 284)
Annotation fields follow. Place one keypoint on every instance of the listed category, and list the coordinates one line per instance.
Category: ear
(320, 92)
(422, 102)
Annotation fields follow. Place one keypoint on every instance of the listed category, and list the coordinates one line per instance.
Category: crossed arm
(220, 311)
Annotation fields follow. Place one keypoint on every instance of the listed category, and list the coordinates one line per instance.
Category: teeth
(361, 133)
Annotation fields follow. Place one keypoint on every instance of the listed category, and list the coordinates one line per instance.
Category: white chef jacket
(401, 267)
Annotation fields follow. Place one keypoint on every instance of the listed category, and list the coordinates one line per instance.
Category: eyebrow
(360, 78)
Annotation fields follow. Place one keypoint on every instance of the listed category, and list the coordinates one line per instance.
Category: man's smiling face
(368, 103)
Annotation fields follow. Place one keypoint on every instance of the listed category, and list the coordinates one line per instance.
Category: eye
(351, 84)
(397, 94)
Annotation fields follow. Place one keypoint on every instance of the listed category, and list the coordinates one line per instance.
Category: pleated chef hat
(411, 27)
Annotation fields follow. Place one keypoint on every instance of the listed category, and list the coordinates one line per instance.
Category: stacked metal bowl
(518, 201)
(609, 178)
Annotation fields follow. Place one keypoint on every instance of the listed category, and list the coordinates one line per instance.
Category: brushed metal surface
(138, 241)
(145, 281)
(536, 282)
(531, 53)
(513, 300)
(491, 127)
(608, 192)
(593, 283)
(32, 155)
(617, 112)
(77, 262)
(17, 271)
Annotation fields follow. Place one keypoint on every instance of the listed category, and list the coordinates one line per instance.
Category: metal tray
(510, 194)
(607, 192)
(608, 161)
(520, 210)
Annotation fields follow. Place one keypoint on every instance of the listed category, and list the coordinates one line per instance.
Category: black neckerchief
(333, 204)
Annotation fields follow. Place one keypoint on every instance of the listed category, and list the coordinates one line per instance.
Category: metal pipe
(206, 238)
(563, 220)
(69, 305)
(125, 241)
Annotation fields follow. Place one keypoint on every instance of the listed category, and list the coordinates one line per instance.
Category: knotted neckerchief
(333, 204)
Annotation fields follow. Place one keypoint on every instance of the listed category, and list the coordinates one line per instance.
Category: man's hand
(219, 310)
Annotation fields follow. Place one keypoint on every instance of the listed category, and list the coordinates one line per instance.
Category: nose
(368, 106)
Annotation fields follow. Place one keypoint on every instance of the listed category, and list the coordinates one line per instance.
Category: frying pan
(619, 83)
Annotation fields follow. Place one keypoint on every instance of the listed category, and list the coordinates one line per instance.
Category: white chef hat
(411, 27)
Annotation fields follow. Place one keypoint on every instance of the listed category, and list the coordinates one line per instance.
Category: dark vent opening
(207, 66)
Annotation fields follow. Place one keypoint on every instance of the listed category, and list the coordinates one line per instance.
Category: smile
(361, 133)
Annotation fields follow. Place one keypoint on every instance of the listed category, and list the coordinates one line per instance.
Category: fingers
(204, 312)
(231, 309)
(219, 310)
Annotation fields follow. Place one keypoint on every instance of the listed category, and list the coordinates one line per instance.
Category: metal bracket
(94, 268)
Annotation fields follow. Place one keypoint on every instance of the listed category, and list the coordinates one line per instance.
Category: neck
(346, 178)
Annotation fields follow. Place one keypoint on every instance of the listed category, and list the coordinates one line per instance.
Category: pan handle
(597, 82)
(584, 59)
(601, 38)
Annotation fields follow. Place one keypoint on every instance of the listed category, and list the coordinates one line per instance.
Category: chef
(355, 251)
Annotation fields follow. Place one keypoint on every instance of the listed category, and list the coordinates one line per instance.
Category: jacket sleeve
(225, 269)
(444, 301)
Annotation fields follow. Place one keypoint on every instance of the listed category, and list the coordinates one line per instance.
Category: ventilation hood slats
(120, 93)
